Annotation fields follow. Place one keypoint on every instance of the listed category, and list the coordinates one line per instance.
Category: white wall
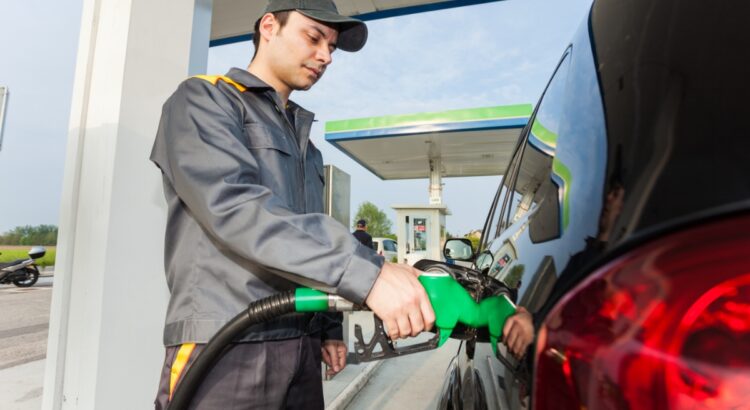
(109, 297)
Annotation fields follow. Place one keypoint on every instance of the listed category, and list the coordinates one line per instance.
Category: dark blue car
(623, 221)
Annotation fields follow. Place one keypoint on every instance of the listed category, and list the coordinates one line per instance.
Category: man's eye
(314, 39)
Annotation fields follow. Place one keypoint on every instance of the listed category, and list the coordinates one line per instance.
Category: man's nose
(324, 55)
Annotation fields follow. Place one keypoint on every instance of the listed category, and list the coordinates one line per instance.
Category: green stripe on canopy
(388, 121)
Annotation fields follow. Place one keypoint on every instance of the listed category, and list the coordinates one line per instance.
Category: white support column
(436, 184)
(109, 295)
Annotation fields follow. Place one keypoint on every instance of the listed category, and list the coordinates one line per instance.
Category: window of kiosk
(420, 232)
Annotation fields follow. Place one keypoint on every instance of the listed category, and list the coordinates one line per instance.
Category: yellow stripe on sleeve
(183, 355)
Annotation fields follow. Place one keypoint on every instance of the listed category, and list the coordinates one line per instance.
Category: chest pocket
(278, 163)
(261, 137)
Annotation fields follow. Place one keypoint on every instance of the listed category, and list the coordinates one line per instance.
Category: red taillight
(665, 326)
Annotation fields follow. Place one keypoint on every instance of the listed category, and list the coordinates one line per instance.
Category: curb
(350, 391)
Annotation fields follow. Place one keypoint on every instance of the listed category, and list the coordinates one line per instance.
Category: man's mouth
(316, 72)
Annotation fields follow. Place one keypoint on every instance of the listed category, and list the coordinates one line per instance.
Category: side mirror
(458, 249)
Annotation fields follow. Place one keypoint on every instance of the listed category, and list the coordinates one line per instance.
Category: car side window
(529, 187)
(496, 222)
(550, 174)
(390, 246)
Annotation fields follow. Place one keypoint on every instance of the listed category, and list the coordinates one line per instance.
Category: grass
(11, 253)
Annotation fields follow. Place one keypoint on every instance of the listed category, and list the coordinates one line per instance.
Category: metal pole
(3, 101)
(436, 186)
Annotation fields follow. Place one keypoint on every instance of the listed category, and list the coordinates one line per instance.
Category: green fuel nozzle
(452, 303)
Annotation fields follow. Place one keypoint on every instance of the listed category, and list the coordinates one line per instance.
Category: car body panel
(640, 132)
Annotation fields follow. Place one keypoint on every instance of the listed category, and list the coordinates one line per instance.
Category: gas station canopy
(469, 142)
(232, 20)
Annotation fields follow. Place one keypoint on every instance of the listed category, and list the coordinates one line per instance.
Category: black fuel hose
(259, 311)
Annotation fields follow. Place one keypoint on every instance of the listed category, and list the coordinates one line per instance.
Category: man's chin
(304, 87)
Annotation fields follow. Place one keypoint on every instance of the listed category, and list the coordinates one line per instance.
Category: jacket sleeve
(331, 325)
(201, 151)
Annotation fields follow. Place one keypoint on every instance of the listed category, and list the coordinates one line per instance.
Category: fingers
(328, 361)
(326, 356)
(400, 301)
(518, 332)
(506, 328)
(519, 347)
(392, 328)
(334, 359)
(510, 341)
(416, 322)
(404, 326)
(425, 308)
(341, 349)
(334, 356)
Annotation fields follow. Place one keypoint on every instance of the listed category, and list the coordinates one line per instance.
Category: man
(243, 185)
(361, 234)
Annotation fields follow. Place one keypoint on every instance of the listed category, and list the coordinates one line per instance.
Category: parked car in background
(623, 221)
(386, 247)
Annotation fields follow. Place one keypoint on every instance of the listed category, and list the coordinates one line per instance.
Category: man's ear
(268, 25)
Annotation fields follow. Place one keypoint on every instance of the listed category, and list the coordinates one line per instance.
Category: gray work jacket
(244, 190)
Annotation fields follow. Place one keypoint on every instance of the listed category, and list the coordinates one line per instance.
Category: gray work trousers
(283, 374)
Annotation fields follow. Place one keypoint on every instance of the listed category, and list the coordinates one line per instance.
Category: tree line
(30, 235)
(378, 224)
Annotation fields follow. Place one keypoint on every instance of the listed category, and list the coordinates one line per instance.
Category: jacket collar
(248, 80)
(303, 118)
(252, 82)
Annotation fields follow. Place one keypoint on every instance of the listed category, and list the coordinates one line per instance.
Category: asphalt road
(411, 382)
(24, 320)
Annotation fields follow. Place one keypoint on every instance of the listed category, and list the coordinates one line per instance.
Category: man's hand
(518, 332)
(334, 355)
(400, 301)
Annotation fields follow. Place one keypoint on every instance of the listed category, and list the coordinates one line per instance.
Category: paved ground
(411, 382)
(24, 319)
(21, 386)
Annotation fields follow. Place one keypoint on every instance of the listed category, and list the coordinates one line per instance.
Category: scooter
(22, 272)
(467, 305)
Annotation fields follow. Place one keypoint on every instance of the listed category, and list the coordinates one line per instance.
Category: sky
(476, 56)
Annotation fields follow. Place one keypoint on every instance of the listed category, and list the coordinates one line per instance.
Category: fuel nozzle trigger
(369, 352)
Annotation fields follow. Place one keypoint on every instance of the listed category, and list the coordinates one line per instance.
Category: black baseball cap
(352, 32)
(361, 222)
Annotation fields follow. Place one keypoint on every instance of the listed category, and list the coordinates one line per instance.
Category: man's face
(300, 51)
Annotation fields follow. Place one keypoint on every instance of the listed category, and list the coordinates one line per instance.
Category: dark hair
(281, 16)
